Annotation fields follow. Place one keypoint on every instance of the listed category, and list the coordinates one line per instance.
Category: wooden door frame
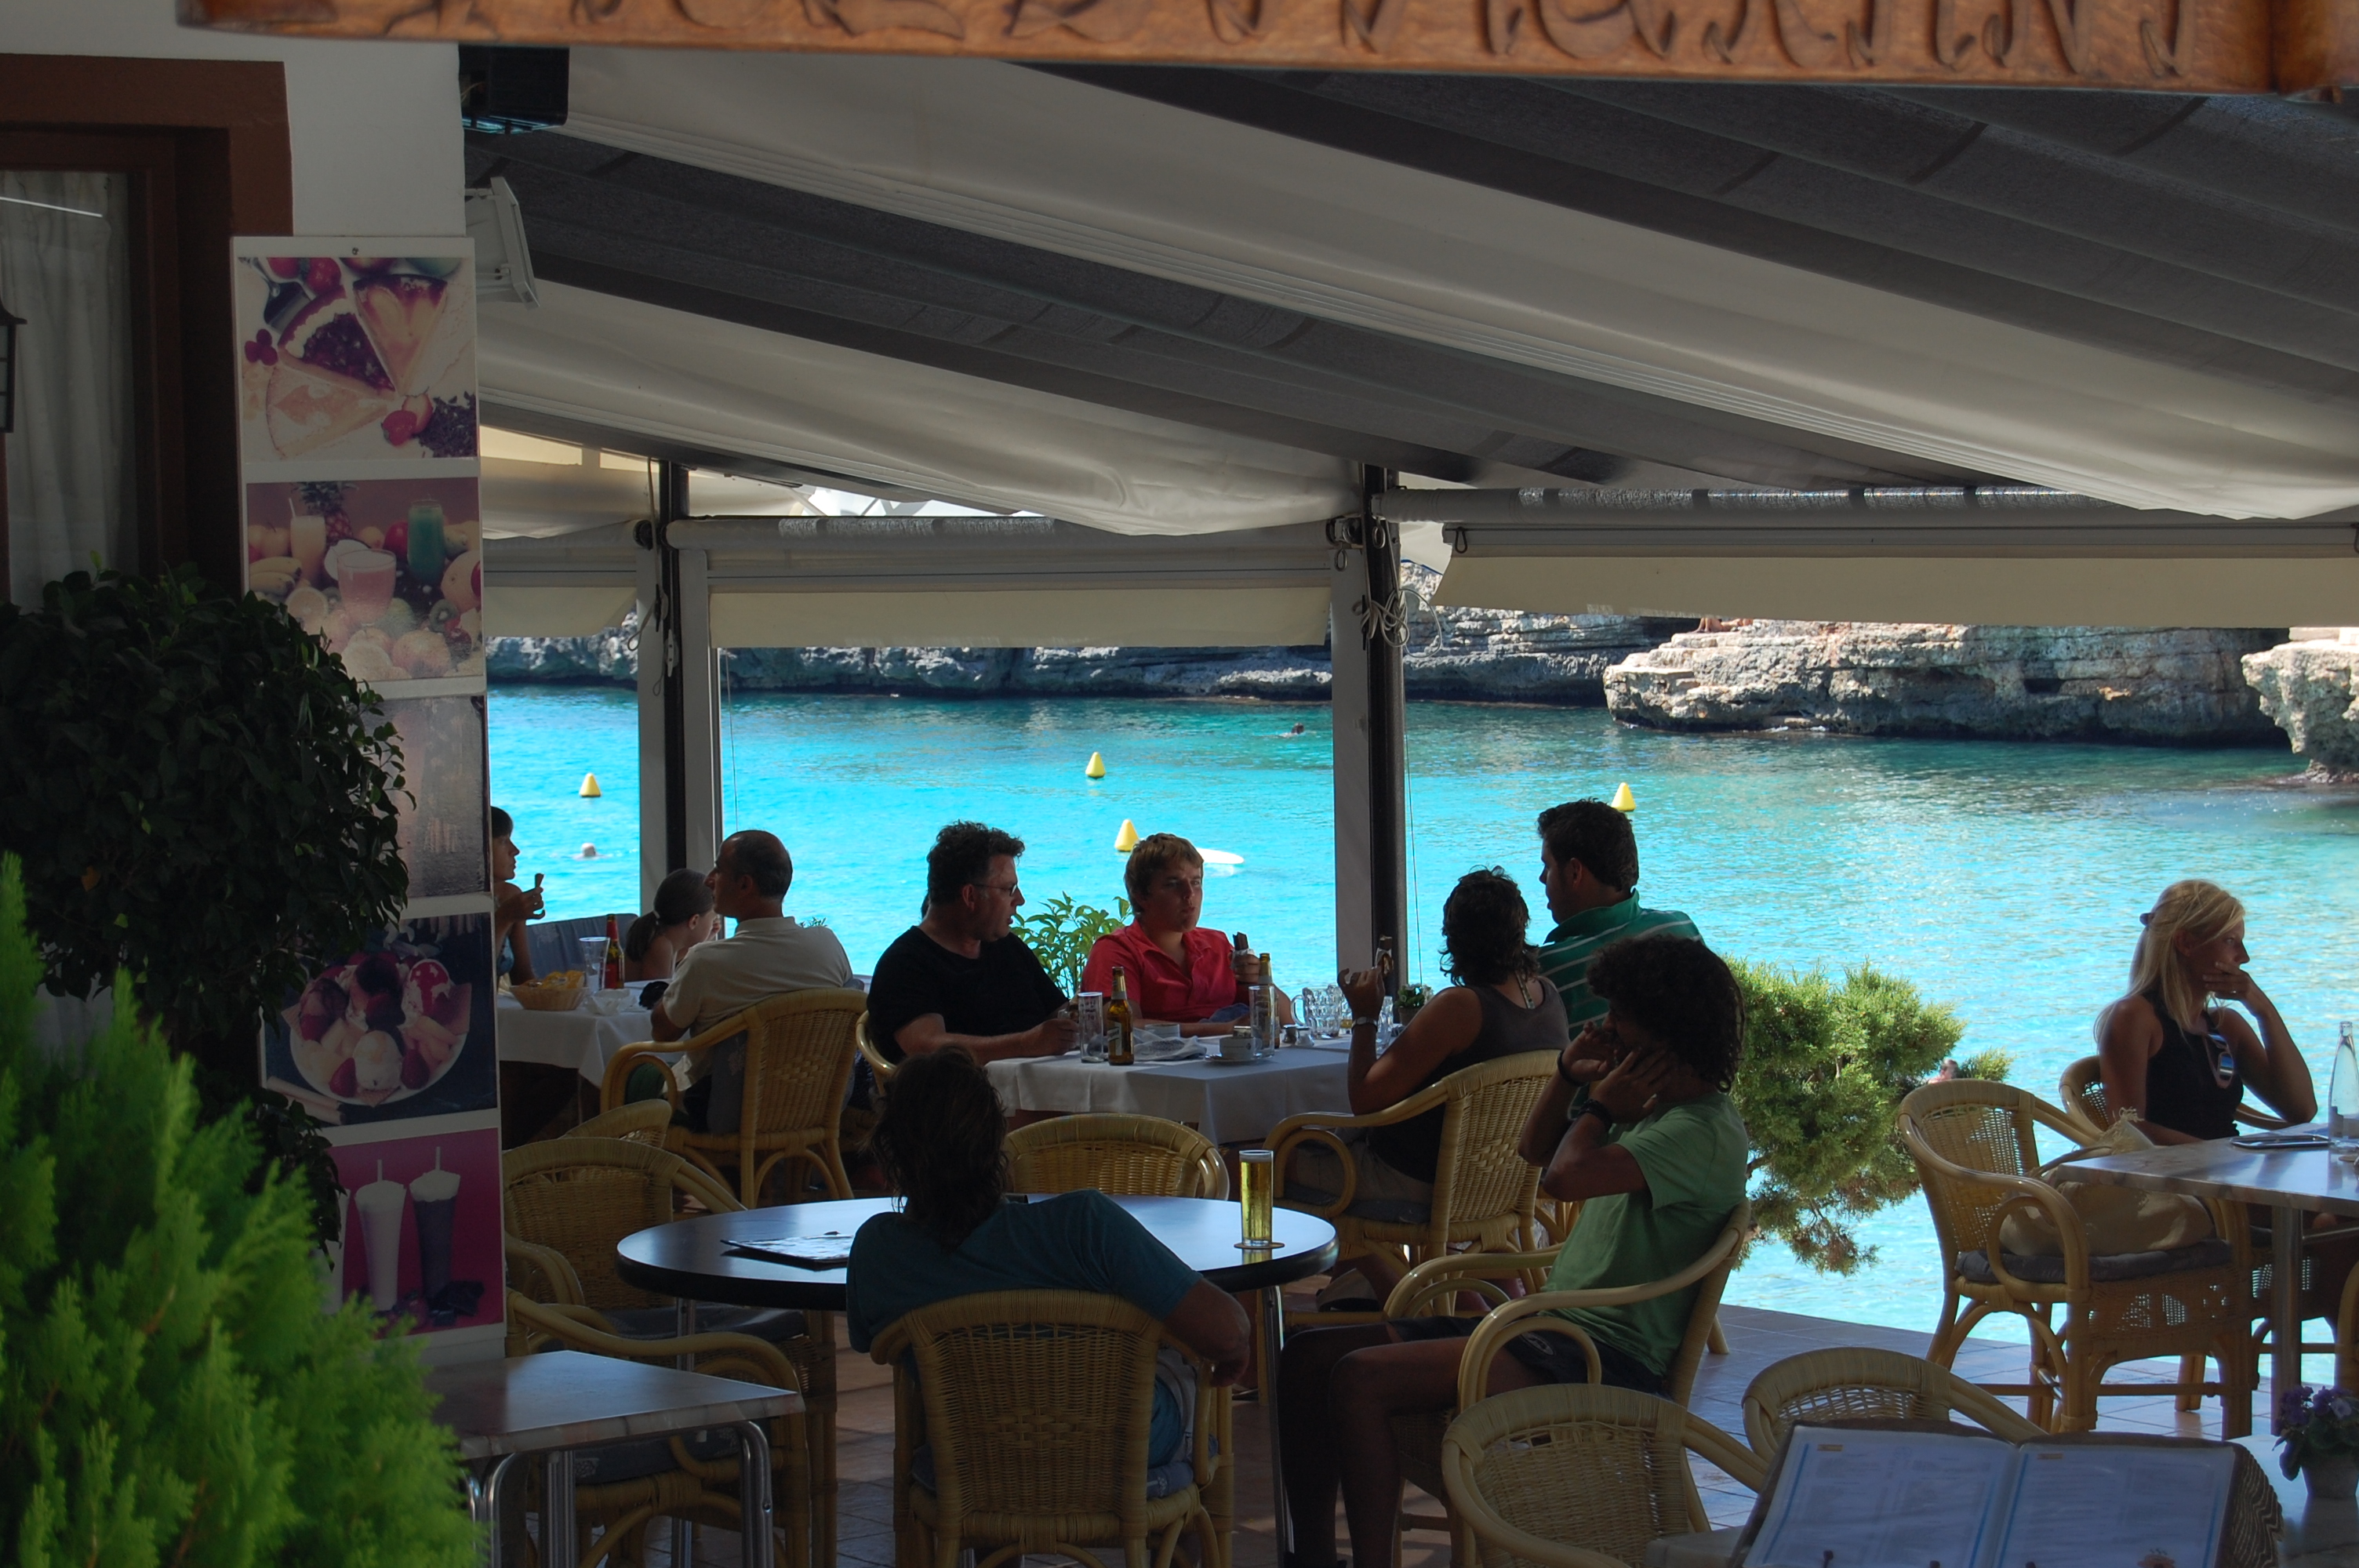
(206, 144)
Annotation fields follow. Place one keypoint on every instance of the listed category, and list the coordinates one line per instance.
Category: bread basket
(547, 997)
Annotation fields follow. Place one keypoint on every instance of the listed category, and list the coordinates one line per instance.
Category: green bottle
(428, 552)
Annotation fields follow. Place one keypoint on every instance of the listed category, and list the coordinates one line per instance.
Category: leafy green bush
(200, 795)
(1061, 932)
(1826, 1066)
(171, 1391)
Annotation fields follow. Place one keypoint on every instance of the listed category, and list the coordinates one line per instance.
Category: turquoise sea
(2003, 878)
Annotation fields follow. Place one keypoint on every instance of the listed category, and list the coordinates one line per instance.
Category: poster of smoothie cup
(351, 357)
(441, 805)
(388, 572)
(422, 1227)
(400, 1028)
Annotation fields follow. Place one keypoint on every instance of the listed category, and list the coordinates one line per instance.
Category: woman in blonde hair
(2178, 1067)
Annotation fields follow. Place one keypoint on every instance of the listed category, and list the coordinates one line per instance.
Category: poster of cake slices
(355, 352)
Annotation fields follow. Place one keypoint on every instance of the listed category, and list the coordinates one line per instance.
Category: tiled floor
(2322, 1536)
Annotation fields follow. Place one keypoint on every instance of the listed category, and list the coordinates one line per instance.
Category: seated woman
(1177, 971)
(2178, 1067)
(512, 905)
(942, 1140)
(1637, 1124)
(1499, 1006)
(682, 918)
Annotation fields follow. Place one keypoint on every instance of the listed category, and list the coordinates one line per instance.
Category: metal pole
(671, 505)
(1384, 625)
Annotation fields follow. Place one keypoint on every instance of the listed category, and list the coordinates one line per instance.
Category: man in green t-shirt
(1636, 1124)
(1589, 869)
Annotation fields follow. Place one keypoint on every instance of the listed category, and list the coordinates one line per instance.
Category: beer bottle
(1265, 1011)
(1118, 1019)
(611, 979)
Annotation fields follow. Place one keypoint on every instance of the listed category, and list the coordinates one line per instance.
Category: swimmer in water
(1298, 730)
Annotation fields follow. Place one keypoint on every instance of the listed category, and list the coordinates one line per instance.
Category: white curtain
(65, 268)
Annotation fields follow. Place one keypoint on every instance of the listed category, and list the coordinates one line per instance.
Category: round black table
(691, 1258)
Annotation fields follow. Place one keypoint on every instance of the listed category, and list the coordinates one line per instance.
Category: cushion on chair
(2212, 1253)
(772, 1324)
(1384, 1211)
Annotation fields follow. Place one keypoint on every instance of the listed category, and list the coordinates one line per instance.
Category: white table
(581, 1040)
(1226, 1104)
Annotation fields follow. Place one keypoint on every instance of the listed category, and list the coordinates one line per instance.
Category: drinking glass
(1089, 1024)
(1256, 1178)
(2342, 1094)
(594, 962)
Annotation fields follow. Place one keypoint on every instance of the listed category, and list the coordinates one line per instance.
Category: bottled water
(2342, 1096)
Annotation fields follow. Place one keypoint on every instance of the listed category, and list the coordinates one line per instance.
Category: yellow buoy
(1096, 769)
(1127, 839)
(590, 790)
(1624, 800)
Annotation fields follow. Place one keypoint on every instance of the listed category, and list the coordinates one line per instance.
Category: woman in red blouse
(1178, 972)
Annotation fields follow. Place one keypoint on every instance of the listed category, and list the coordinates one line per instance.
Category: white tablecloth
(581, 1039)
(1227, 1104)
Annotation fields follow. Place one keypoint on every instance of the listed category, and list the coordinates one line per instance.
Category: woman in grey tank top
(1499, 1007)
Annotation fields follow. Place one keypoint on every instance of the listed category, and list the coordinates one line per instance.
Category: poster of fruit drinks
(357, 442)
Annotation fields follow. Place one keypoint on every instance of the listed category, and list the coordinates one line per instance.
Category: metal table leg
(487, 1495)
(754, 1521)
(1272, 1349)
(559, 1547)
(2285, 1311)
(683, 1531)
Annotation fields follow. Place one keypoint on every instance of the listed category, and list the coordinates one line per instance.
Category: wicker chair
(799, 1055)
(1132, 1156)
(1436, 1285)
(879, 1066)
(642, 1122)
(1974, 1145)
(1860, 1381)
(568, 1200)
(693, 1480)
(1035, 1406)
(1485, 1191)
(1534, 1471)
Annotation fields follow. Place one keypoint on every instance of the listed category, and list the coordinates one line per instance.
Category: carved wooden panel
(2196, 45)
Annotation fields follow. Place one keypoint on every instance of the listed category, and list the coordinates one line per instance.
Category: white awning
(603, 361)
(573, 586)
(1035, 159)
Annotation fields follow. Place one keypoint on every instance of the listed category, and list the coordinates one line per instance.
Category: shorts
(1314, 1175)
(1551, 1358)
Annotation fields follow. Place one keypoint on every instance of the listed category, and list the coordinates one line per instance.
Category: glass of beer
(1256, 1187)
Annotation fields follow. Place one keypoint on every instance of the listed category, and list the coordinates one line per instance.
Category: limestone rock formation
(2181, 686)
(2311, 690)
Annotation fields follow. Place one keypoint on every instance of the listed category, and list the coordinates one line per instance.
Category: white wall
(374, 127)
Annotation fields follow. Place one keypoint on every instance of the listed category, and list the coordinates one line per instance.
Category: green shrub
(1062, 932)
(1827, 1063)
(171, 1391)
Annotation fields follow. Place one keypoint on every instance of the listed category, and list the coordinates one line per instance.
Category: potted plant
(2319, 1431)
(202, 797)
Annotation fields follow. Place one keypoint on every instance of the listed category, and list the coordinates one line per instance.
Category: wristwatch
(1597, 1110)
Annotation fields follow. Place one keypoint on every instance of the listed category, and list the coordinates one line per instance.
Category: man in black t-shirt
(958, 976)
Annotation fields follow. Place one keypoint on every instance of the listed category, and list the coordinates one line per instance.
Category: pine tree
(170, 1392)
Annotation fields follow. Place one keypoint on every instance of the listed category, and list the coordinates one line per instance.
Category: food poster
(351, 353)
(422, 1229)
(443, 827)
(388, 573)
(400, 1028)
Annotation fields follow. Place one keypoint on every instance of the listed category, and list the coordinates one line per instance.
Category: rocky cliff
(1467, 654)
(2311, 691)
(2167, 686)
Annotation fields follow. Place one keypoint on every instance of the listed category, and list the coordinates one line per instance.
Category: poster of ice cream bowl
(422, 1227)
(356, 357)
(402, 1028)
(388, 572)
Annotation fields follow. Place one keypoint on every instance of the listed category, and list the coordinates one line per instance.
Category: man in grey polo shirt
(768, 955)
(1589, 867)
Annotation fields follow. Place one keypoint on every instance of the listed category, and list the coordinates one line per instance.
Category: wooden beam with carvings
(2183, 46)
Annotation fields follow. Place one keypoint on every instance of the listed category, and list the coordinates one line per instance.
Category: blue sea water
(2004, 878)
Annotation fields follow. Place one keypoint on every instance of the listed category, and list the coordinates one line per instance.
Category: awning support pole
(679, 697)
(1371, 780)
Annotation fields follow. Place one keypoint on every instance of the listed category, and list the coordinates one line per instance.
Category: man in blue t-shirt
(942, 1141)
